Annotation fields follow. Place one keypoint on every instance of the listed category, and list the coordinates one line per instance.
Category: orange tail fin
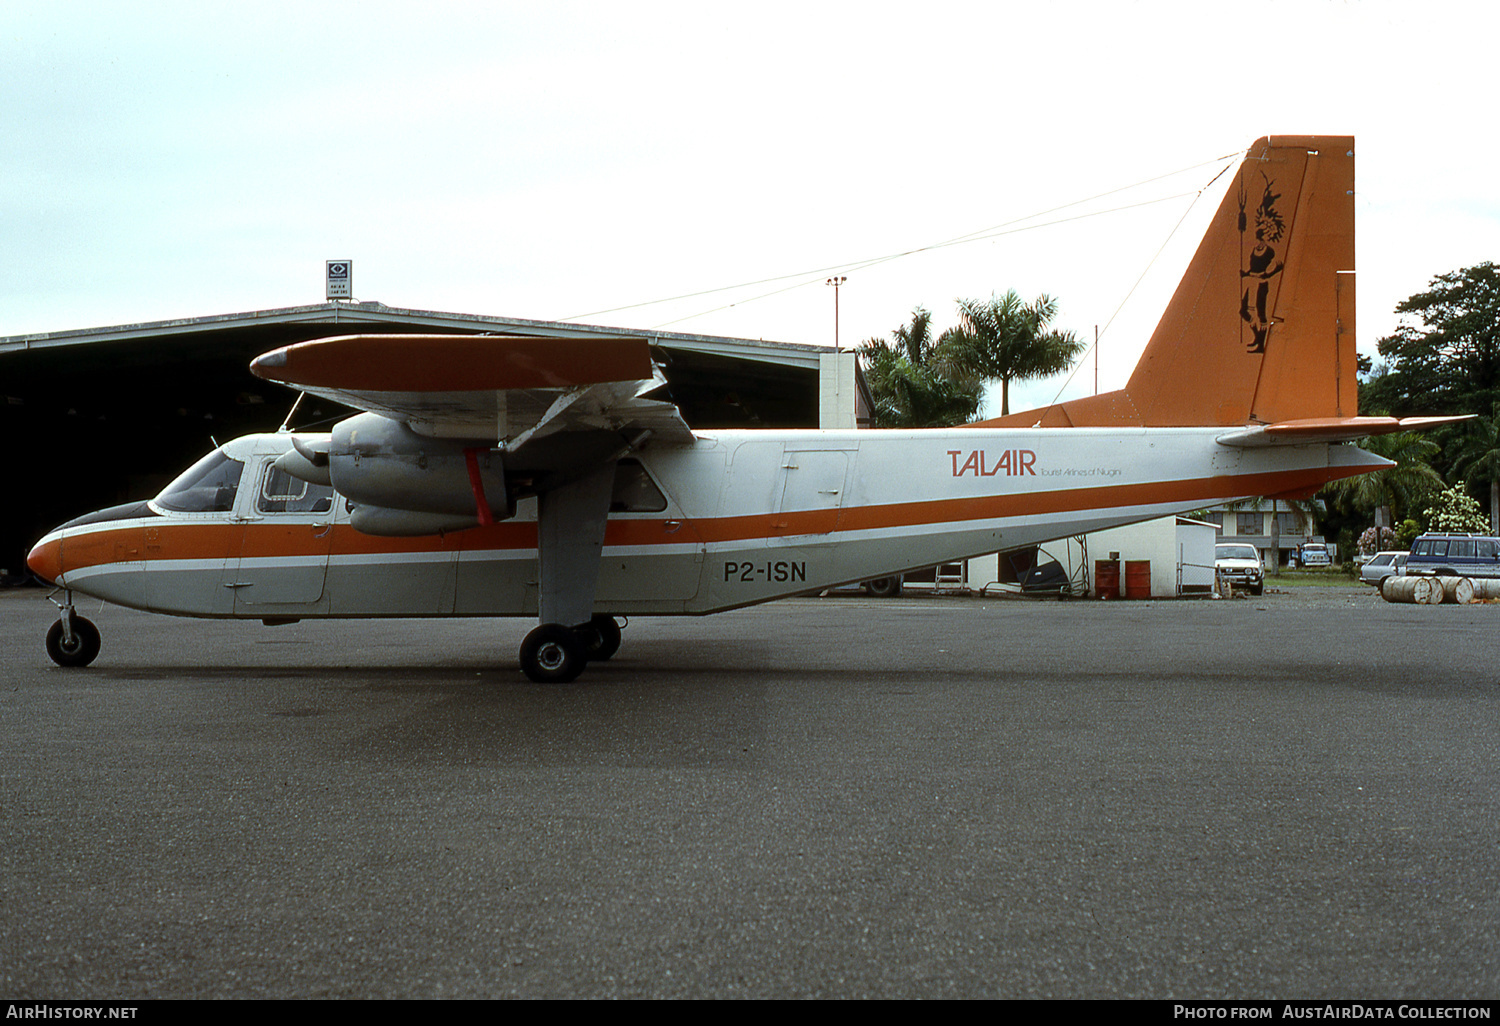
(1261, 328)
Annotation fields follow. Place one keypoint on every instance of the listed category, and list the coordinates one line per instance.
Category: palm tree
(1004, 339)
(909, 388)
(1479, 457)
(1400, 487)
(915, 339)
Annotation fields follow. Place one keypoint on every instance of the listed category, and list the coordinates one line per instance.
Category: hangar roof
(718, 381)
(374, 316)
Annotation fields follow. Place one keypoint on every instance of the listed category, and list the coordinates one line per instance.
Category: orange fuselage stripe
(208, 540)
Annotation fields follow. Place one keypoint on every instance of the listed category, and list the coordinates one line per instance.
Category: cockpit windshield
(208, 486)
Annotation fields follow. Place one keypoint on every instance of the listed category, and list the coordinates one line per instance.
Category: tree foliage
(1006, 339)
(1476, 457)
(1455, 512)
(1401, 488)
(909, 388)
(917, 381)
(1451, 362)
(1406, 533)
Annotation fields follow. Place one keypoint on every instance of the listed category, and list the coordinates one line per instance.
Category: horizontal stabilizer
(1329, 429)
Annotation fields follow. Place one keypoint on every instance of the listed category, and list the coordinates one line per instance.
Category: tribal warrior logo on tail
(1262, 266)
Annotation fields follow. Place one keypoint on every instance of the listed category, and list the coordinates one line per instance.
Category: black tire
(883, 587)
(85, 647)
(601, 637)
(1256, 589)
(553, 654)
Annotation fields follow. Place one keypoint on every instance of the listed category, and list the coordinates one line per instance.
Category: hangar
(95, 417)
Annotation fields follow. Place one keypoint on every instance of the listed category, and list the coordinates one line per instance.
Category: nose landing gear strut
(72, 640)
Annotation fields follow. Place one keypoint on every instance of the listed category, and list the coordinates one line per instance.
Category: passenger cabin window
(1485, 548)
(280, 492)
(208, 486)
(635, 492)
(1461, 547)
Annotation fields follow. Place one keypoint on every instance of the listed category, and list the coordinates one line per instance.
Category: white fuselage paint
(752, 516)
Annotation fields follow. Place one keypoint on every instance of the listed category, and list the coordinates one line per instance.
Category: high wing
(460, 423)
(503, 390)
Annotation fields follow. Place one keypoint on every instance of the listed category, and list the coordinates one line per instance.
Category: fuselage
(737, 518)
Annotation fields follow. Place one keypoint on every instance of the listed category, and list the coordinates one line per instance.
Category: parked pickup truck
(1314, 554)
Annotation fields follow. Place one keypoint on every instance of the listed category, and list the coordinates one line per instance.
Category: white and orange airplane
(494, 476)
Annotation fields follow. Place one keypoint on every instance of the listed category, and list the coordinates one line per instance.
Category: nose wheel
(72, 640)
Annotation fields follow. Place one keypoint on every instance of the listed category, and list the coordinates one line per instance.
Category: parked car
(1240, 565)
(1314, 554)
(1454, 555)
(1383, 565)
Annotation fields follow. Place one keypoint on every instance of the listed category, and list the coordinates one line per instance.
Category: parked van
(1454, 555)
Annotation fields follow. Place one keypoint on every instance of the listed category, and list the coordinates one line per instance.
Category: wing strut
(481, 504)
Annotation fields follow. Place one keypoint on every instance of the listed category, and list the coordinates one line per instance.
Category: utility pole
(836, 282)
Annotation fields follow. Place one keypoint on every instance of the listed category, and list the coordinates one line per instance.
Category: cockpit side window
(635, 492)
(280, 492)
(208, 486)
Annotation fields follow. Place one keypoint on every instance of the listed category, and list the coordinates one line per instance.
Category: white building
(1174, 554)
(1253, 527)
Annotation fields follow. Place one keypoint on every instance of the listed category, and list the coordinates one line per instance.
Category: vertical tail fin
(1261, 327)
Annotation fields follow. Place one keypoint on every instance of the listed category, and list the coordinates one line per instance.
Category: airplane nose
(45, 559)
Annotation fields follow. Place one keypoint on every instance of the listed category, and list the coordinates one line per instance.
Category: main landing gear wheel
(81, 651)
(553, 654)
(601, 637)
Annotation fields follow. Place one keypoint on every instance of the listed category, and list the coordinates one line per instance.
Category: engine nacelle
(403, 523)
(376, 461)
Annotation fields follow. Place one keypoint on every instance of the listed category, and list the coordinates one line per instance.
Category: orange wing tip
(453, 363)
(1423, 423)
(1330, 429)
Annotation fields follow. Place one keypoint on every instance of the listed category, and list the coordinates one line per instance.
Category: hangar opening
(101, 416)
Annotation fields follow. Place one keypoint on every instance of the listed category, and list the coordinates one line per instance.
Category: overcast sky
(580, 160)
